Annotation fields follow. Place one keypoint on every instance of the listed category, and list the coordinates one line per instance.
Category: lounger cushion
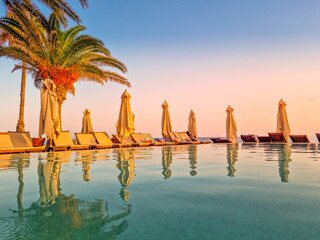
(21, 139)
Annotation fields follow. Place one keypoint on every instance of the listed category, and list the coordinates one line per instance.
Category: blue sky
(194, 54)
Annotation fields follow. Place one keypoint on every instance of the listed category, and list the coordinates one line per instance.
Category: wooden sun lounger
(277, 137)
(196, 140)
(175, 137)
(104, 139)
(264, 139)
(23, 140)
(89, 139)
(6, 145)
(65, 141)
(185, 138)
(250, 138)
(129, 141)
(300, 138)
(148, 137)
(139, 138)
(219, 140)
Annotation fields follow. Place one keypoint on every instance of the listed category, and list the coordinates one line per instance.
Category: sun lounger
(196, 140)
(300, 138)
(139, 138)
(23, 140)
(149, 138)
(89, 139)
(219, 140)
(104, 139)
(277, 137)
(129, 140)
(175, 137)
(6, 145)
(250, 138)
(264, 139)
(65, 140)
(185, 138)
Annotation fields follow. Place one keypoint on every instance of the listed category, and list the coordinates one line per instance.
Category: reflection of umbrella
(125, 124)
(126, 165)
(231, 126)
(193, 158)
(49, 123)
(284, 157)
(86, 158)
(232, 158)
(165, 121)
(49, 174)
(166, 162)
(86, 122)
(282, 120)
(192, 128)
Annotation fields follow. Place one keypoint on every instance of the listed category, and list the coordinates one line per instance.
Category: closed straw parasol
(231, 126)
(125, 124)
(192, 128)
(282, 120)
(165, 121)
(49, 123)
(86, 122)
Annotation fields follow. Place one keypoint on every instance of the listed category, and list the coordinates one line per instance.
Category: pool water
(222, 191)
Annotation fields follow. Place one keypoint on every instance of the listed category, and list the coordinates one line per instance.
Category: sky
(202, 55)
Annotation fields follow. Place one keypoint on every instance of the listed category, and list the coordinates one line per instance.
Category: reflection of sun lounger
(23, 140)
(263, 139)
(148, 138)
(89, 139)
(250, 138)
(277, 137)
(219, 140)
(299, 138)
(65, 140)
(6, 145)
(104, 139)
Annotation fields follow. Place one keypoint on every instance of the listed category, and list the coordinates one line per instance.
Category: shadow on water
(232, 158)
(56, 215)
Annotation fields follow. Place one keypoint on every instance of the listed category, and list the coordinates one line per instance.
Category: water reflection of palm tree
(193, 158)
(126, 165)
(166, 162)
(232, 158)
(19, 162)
(57, 216)
(284, 157)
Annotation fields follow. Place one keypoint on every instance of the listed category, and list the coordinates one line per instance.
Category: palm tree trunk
(20, 124)
(61, 92)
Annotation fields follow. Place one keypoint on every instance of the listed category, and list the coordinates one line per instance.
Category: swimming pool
(227, 191)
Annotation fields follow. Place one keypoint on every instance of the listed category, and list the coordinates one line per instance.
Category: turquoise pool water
(240, 191)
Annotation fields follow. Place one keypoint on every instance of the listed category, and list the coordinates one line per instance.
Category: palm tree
(65, 56)
(62, 9)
